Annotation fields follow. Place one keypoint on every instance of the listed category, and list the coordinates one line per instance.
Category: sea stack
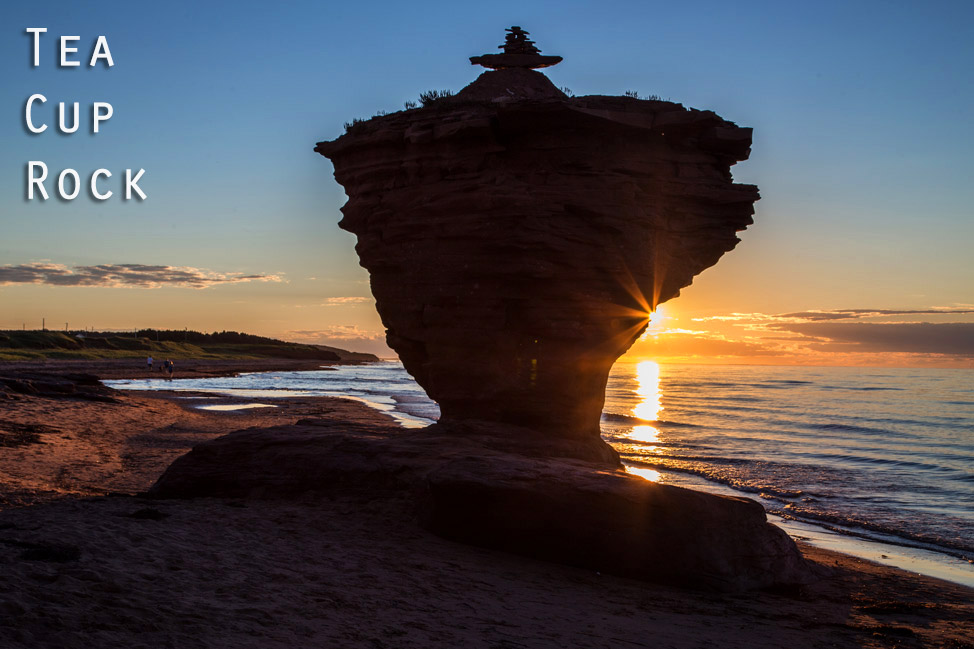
(518, 238)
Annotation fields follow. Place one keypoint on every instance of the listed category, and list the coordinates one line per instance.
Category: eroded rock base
(464, 489)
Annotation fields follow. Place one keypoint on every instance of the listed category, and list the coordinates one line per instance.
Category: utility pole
(43, 324)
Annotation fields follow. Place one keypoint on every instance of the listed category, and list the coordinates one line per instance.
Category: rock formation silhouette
(518, 239)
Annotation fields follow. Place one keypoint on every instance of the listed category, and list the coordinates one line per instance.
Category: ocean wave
(704, 460)
(766, 491)
(629, 445)
(944, 421)
(711, 398)
(413, 398)
(677, 384)
(890, 462)
(849, 428)
(614, 416)
(851, 525)
(767, 386)
(862, 388)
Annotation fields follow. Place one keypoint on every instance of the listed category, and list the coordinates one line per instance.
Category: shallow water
(885, 455)
(234, 407)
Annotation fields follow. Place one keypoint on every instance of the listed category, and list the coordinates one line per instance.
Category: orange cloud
(336, 332)
(827, 337)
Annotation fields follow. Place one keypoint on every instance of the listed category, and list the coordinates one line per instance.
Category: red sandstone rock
(464, 489)
(517, 239)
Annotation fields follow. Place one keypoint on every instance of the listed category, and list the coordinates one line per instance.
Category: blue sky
(863, 115)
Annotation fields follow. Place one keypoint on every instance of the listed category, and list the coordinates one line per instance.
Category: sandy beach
(87, 562)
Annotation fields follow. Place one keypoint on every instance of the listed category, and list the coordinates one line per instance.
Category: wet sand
(82, 568)
(95, 448)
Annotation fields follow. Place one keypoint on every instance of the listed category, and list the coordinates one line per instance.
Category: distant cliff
(38, 345)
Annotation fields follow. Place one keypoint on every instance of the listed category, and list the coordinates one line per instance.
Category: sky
(863, 117)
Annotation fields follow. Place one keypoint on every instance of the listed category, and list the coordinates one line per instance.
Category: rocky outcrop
(55, 386)
(517, 239)
(612, 522)
(464, 489)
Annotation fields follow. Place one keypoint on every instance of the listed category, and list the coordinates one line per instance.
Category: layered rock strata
(517, 239)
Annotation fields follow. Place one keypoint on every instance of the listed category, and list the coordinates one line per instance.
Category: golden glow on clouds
(924, 337)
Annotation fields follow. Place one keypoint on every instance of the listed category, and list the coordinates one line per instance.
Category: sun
(657, 323)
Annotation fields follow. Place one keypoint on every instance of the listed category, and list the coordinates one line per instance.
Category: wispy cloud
(336, 301)
(738, 317)
(686, 343)
(953, 338)
(123, 276)
(856, 314)
(831, 314)
(344, 301)
(935, 336)
(336, 332)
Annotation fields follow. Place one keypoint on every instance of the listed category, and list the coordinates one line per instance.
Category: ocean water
(885, 455)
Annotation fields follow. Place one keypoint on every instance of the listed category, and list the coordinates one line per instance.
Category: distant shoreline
(45, 345)
(135, 368)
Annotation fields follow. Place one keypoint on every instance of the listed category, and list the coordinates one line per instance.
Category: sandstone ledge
(464, 489)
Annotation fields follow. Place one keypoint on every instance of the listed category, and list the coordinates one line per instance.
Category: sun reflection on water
(649, 407)
(648, 434)
(647, 379)
(649, 474)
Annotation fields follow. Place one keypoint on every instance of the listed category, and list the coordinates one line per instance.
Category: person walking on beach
(169, 366)
(148, 364)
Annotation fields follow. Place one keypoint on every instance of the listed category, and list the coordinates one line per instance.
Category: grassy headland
(224, 345)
